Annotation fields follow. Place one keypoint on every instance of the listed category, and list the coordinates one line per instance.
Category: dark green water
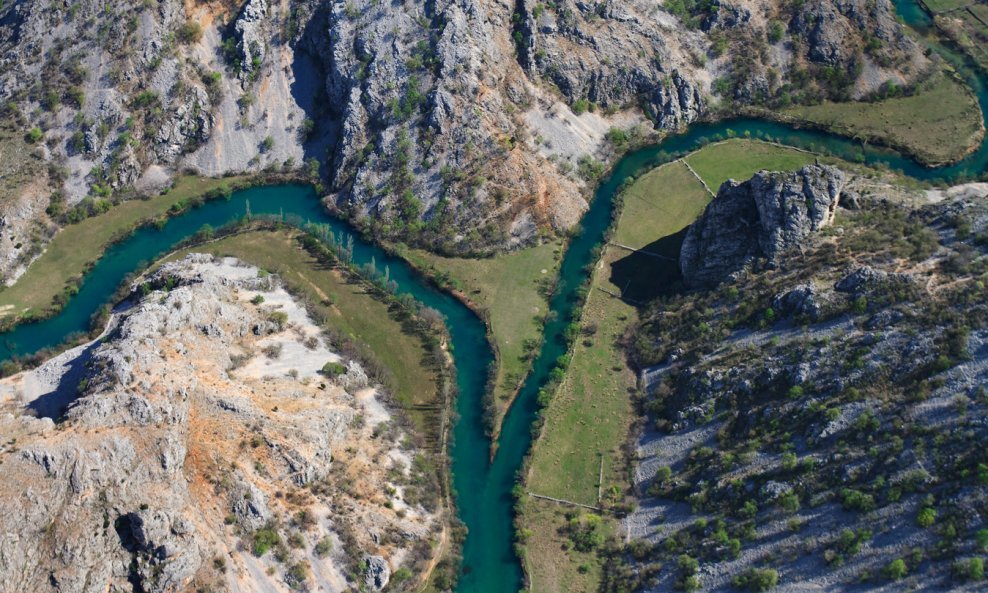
(483, 488)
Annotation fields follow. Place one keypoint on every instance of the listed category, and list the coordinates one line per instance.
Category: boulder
(378, 572)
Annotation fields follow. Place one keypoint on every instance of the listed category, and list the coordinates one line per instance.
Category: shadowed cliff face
(447, 123)
(204, 449)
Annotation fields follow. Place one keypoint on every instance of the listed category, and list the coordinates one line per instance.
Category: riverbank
(51, 279)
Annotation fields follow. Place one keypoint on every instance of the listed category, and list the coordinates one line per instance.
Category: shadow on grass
(642, 277)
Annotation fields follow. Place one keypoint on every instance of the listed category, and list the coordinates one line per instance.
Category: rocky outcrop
(378, 573)
(833, 29)
(758, 219)
(186, 454)
(251, 37)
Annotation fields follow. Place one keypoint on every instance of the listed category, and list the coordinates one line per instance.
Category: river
(483, 489)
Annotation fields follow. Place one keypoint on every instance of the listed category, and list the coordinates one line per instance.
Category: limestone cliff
(758, 219)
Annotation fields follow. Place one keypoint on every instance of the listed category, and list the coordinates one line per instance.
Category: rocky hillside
(213, 441)
(480, 116)
(813, 420)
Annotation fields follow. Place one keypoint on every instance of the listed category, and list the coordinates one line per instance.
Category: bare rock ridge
(194, 458)
(759, 218)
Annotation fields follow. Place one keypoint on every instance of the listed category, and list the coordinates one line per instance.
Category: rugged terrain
(811, 416)
(210, 440)
(485, 117)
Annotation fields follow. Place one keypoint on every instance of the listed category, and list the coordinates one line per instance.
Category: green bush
(757, 579)
(279, 318)
(854, 500)
(146, 99)
(34, 135)
(333, 369)
(972, 569)
(927, 517)
(190, 32)
(324, 547)
(265, 538)
(586, 532)
(896, 570)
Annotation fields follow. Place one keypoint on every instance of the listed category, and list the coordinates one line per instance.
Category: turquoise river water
(483, 487)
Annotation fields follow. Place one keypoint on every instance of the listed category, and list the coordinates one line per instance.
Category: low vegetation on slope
(812, 424)
(568, 454)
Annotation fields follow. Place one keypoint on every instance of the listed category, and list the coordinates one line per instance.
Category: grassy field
(507, 287)
(588, 420)
(740, 159)
(349, 309)
(77, 245)
(938, 124)
(939, 6)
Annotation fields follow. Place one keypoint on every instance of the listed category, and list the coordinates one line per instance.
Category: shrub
(264, 539)
(279, 319)
(896, 570)
(775, 31)
(333, 369)
(617, 136)
(586, 533)
(757, 579)
(297, 574)
(981, 540)
(580, 106)
(190, 32)
(972, 569)
(401, 575)
(324, 547)
(854, 500)
(34, 135)
(789, 502)
(145, 99)
(257, 300)
(927, 517)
